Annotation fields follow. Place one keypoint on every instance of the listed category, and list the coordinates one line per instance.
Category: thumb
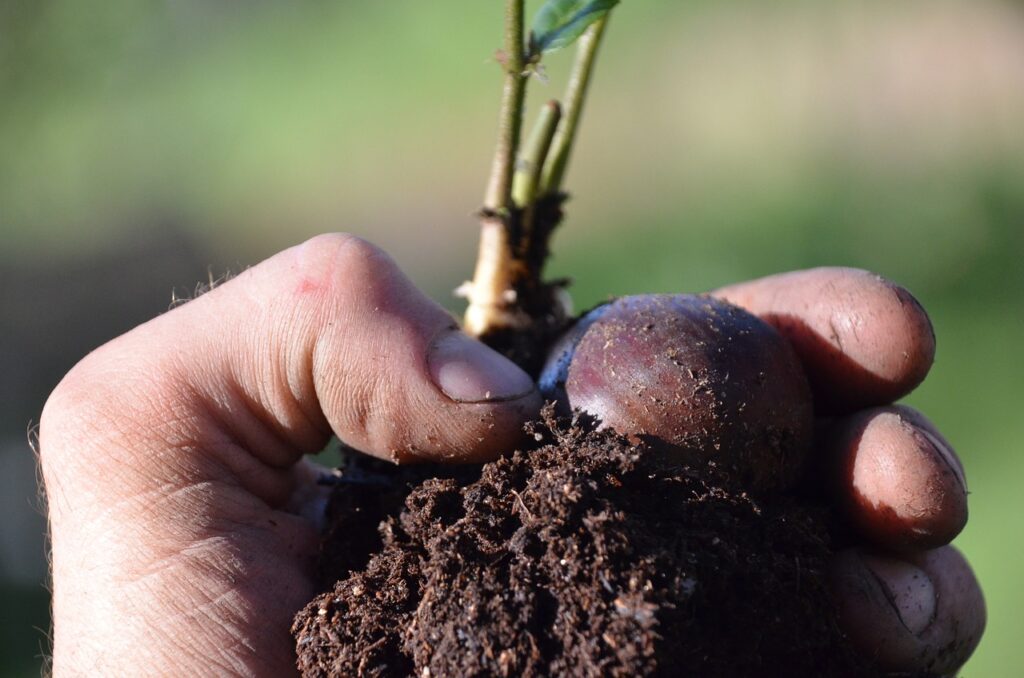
(332, 333)
(168, 452)
(328, 336)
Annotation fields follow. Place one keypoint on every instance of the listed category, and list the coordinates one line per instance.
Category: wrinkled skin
(183, 517)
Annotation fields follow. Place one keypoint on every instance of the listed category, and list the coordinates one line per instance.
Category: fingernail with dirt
(908, 589)
(469, 372)
(947, 457)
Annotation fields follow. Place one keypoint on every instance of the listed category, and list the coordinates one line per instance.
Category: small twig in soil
(522, 504)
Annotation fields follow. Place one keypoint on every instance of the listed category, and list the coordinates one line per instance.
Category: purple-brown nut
(692, 374)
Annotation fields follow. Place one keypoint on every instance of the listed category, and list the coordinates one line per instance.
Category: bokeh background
(145, 146)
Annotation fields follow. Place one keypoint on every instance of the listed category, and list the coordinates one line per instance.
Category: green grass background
(722, 141)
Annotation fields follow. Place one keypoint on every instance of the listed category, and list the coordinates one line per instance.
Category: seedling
(645, 533)
(695, 375)
(511, 306)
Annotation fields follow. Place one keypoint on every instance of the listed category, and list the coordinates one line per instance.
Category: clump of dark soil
(588, 556)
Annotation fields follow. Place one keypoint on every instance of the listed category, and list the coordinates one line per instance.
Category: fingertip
(398, 380)
(446, 400)
(909, 614)
(496, 396)
(472, 407)
(896, 480)
(499, 428)
(873, 594)
(468, 371)
(862, 339)
(354, 343)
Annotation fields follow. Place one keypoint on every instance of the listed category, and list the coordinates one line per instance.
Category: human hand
(181, 515)
(906, 598)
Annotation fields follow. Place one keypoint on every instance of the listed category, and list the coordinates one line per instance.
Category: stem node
(510, 306)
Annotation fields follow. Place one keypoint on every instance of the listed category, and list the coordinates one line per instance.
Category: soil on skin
(588, 556)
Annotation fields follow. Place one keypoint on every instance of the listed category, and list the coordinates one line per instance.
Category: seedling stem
(575, 94)
(522, 203)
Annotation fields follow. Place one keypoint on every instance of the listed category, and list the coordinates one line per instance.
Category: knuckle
(326, 245)
(71, 411)
(358, 265)
(67, 399)
(345, 255)
(355, 270)
(108, 399)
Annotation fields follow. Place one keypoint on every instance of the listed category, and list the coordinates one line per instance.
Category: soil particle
(589, 556)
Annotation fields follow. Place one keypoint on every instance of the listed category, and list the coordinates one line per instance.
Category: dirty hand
(183, 520)
(905, 597)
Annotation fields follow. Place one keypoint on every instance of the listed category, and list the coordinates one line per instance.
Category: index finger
(863, 340)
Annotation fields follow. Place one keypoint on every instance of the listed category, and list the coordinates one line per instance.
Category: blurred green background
(146, 144)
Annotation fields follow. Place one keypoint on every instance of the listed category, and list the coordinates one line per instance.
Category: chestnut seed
(693, 375)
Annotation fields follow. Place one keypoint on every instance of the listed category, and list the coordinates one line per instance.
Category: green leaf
(559, 22)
